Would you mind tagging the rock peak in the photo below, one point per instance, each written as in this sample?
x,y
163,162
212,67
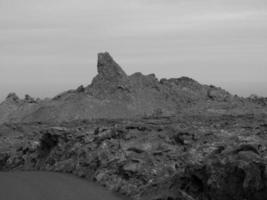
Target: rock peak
x,y
108,69
29,99
110,77
12,97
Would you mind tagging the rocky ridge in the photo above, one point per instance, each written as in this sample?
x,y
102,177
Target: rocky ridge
x,y
148,139
114,94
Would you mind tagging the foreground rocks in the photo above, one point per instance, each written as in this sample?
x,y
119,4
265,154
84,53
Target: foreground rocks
x,y
189,157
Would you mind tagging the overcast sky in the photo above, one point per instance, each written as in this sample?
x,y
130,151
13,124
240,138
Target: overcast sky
x,y
50,46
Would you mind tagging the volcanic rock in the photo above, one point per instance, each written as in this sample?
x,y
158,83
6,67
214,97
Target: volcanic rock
x,y
110,80
29,99
80,89
12,97
108,69
114,94
188,158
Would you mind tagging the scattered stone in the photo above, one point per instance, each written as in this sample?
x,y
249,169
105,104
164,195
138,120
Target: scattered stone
x,y
186,158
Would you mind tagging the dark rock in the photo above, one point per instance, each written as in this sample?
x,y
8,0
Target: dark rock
x,y
80,89
187,158
231,175
110,74
218,94
29,99
3,159
108,69
13,97
258,100
110,81
47,142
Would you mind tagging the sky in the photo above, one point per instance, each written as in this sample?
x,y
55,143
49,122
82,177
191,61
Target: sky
x,y
50,46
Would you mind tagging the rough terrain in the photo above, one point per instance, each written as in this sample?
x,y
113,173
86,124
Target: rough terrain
x,y
189,157
148,139
114,94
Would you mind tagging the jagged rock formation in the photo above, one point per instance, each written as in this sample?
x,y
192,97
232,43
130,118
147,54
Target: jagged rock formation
x,y
186,158
110,74
114,94
258,100
214,147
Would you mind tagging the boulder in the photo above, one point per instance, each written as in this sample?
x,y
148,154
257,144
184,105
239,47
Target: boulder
x,y
108,69
231,174
13,97
29,99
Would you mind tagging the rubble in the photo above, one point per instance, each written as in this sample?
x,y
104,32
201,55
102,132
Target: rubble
x,y
187,158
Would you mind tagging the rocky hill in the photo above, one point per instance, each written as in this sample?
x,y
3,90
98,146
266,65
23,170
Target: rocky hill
x,y
165,139
114,94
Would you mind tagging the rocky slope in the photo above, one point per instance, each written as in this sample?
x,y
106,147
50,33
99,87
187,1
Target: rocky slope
x,y
149,139
182,158
114,94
